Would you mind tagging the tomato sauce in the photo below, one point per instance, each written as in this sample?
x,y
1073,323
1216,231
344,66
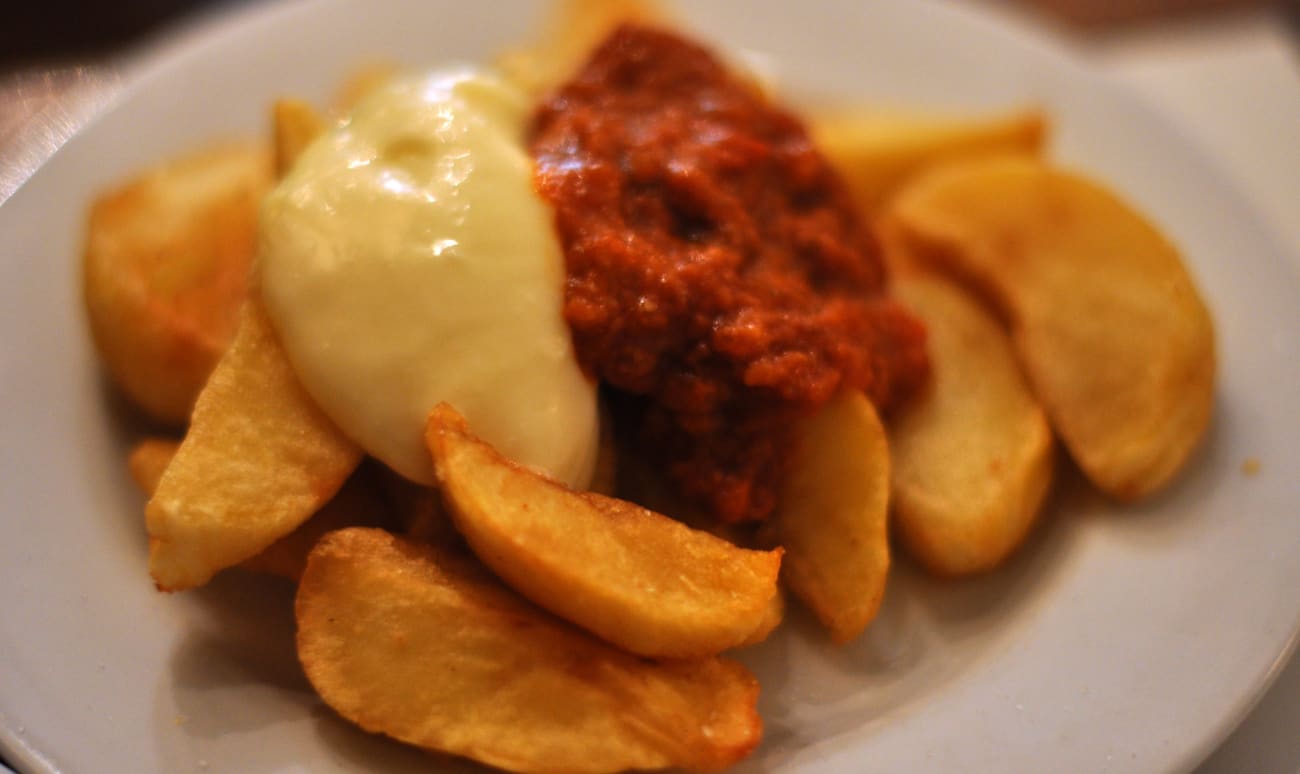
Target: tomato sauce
x,y
715,264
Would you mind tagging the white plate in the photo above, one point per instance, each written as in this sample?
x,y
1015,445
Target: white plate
x,y
1120,640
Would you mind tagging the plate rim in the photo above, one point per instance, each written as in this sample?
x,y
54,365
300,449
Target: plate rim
x,y
155,57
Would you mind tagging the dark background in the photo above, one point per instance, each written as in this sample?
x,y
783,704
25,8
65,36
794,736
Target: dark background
x,y
44,31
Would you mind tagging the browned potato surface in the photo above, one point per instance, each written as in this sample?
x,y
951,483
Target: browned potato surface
x,y
358,503
426,647
148,460
294,125
258,460
569,33
165,271
972,454
772,619
832,517
632,576
877,150
1107,322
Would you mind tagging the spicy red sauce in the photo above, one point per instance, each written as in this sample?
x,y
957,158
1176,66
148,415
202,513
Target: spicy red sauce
x,y
715,264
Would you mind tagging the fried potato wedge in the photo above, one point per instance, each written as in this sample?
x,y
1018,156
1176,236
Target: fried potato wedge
x,y
427,647
771,621
1106,320
571,30
832,515
148,460
876,151
634,577
357,504
972,455
295,124
165,270
258,460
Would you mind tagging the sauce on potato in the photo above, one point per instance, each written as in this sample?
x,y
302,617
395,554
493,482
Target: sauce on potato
x,y
716,264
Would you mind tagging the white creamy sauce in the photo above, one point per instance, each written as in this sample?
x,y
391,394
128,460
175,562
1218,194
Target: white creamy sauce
x,y
406,260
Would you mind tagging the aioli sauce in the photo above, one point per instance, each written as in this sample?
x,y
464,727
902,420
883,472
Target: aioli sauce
x,y
406,259
716,264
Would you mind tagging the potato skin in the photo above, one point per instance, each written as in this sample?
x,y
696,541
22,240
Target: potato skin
x,y
424,645
165,269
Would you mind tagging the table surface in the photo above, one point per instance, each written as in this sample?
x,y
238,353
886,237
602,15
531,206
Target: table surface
x,y
1232,79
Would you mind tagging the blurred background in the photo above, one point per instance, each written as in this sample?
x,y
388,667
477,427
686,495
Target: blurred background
x,y
45,45
67,30
1212,57
1228,71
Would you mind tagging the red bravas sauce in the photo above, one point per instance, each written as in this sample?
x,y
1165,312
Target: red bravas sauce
x,y
715,264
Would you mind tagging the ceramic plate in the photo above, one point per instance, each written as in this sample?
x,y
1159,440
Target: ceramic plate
x,y
1121,639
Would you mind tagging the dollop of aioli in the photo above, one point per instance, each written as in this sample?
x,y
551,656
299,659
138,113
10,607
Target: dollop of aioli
x,y
406,260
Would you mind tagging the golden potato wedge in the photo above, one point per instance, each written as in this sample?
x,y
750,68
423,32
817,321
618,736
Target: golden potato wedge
x,y
832,515
357,504
877,150
972,455
636,578
295,124
258,460
1106,320
165,270
148,460
426,647
570,32
771,620
422,517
